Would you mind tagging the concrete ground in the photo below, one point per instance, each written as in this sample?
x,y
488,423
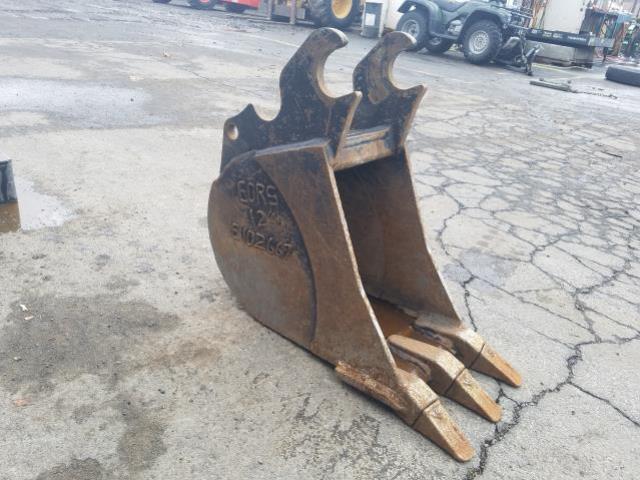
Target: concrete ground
x,y
122,352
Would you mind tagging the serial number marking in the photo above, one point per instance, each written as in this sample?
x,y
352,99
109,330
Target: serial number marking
x,y
260,241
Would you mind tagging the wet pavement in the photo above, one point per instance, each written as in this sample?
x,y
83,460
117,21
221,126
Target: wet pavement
x,y
123,354
33,210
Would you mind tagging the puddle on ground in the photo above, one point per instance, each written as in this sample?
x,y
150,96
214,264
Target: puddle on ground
x,y
33,210
9,217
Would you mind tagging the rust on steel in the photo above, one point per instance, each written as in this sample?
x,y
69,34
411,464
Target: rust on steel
x,y
315,227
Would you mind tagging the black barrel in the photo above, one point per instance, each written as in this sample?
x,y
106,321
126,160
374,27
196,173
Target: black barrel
x,y
7,185
9,210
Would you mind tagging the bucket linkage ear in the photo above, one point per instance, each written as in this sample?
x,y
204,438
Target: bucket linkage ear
x,y
384,103
307,111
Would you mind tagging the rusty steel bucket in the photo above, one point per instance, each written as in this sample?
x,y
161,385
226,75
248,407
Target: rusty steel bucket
x,y
315,228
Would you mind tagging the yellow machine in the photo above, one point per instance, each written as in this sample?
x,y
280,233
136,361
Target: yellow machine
x,y
325,13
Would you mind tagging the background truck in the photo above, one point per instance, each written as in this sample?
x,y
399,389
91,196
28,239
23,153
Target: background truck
x,y
324,13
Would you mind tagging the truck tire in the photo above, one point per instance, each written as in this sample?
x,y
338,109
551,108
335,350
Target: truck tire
x,y
234,7
202,4
626,75
334,13
482,41
414,23
438,45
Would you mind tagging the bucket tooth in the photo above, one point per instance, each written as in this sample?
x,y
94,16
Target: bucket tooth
x,y
470,348
491,363
467,392
424,412
436,424
442,367
446,375
315,227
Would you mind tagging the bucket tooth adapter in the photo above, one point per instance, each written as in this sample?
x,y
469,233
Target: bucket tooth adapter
x,y
315,227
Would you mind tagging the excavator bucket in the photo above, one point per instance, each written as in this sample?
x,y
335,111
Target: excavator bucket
x,y
315,228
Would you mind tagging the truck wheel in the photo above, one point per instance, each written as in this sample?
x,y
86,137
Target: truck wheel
x,y
234,7
482,41
202,4
334,13
628,76
415,24
438,45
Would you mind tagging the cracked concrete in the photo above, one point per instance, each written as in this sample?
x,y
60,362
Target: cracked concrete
x,y
132,360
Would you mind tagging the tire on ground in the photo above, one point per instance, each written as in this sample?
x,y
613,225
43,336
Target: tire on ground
x,y
438,45
415,24
626,75
494,41
334,13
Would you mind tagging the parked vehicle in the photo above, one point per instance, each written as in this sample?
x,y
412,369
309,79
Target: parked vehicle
x,y
324,13
485,30
332,13
236,6
631,42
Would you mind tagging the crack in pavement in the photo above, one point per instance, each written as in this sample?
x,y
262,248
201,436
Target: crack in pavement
x,y
503,429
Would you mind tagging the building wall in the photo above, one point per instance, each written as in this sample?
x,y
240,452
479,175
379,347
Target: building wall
x,y
628,5
563,15
617,5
